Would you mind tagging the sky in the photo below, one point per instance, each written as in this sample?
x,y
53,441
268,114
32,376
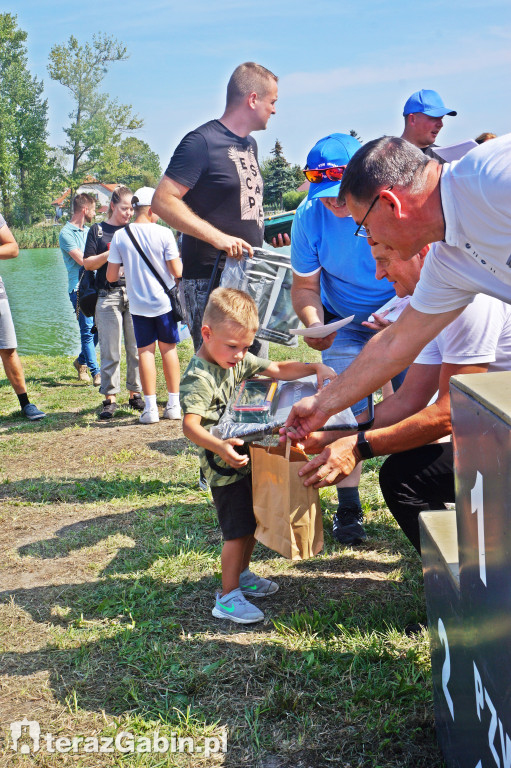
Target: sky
x,y
340,65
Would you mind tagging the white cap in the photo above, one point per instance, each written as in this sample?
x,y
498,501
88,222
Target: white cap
x,y
143,196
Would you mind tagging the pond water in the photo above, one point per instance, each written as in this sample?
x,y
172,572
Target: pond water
x,y
36,284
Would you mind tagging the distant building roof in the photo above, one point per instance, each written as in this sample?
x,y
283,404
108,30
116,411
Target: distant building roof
x,y
61,199
88,181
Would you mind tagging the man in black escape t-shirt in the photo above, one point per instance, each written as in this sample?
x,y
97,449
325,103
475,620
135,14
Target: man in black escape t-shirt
x,y
212,190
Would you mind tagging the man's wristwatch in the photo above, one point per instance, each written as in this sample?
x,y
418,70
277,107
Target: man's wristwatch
x,y
363,446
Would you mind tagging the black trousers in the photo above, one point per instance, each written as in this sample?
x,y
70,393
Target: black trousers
x,y
416,481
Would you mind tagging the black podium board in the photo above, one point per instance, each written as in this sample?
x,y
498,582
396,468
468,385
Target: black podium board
x,y
467,575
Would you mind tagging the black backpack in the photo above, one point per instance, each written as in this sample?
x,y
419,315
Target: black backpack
x,y
87,292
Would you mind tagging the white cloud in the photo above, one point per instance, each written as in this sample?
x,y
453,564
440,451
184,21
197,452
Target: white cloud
x,y
330,81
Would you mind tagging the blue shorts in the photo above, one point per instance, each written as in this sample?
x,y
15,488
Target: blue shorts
x,y
150,329
348,343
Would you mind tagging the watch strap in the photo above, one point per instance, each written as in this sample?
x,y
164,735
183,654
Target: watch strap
x,y
364,447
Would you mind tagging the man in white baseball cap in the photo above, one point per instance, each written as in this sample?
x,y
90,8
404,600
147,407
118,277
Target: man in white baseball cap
x,y
150,305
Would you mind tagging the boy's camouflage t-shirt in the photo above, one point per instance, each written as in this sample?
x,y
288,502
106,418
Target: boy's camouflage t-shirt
x,y
205,390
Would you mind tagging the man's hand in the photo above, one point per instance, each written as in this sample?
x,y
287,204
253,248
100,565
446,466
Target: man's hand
x,y
334,463
379,322
320,344
233,246
281,240
305,417
232,457
316,441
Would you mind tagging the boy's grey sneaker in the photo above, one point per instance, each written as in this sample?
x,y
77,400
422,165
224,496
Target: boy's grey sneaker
x,y
235,607
347,526
255,586
32,412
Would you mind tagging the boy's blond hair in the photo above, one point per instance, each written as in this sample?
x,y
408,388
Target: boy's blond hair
x,y
231,305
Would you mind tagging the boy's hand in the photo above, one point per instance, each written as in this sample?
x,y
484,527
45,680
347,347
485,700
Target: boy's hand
x,y
324,372
232,457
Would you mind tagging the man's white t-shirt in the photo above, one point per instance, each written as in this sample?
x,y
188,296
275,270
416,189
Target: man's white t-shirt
x,y
146,295
476,254
481,334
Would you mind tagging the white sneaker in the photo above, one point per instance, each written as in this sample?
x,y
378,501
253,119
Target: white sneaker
x,y
172,411
149,416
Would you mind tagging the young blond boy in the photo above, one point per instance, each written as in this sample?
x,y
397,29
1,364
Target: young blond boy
x,y
230,322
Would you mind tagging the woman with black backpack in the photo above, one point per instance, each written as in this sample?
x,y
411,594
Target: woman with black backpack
x,y
113,319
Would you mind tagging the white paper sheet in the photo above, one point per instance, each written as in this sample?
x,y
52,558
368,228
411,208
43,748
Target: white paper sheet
x,y
455,151
392,309
320,331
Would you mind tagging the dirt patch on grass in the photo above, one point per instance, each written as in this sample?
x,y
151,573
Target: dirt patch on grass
x,y
76,451
96,451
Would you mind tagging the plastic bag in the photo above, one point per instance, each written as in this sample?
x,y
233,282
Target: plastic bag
x,y
263,421
267,277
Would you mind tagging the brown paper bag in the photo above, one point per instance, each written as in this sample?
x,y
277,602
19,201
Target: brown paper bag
x,y
288,514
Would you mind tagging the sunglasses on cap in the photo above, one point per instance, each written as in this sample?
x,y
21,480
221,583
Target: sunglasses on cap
x,y
317,175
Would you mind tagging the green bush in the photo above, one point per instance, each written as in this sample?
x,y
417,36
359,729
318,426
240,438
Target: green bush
x,y
37,237
291,200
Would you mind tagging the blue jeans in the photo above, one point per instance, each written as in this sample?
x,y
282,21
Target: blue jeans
x,y
88,339
348,343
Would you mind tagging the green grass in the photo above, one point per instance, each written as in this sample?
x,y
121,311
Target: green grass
x,y
329,679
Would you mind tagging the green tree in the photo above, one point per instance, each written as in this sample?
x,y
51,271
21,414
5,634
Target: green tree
x,y
26,168
298,175
133,163
278,177
97,122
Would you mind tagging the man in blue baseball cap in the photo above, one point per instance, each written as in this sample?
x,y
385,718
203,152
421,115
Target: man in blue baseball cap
x,y
333,278
423,113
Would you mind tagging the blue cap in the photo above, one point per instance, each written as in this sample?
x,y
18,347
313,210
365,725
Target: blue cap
x,y
427,102
329,152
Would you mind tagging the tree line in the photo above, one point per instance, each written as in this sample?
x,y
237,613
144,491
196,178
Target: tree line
x,y
98,141
99,133
281,181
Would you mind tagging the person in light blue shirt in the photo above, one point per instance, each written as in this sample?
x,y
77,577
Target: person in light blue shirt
x,y
72,245
333,278
323,245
